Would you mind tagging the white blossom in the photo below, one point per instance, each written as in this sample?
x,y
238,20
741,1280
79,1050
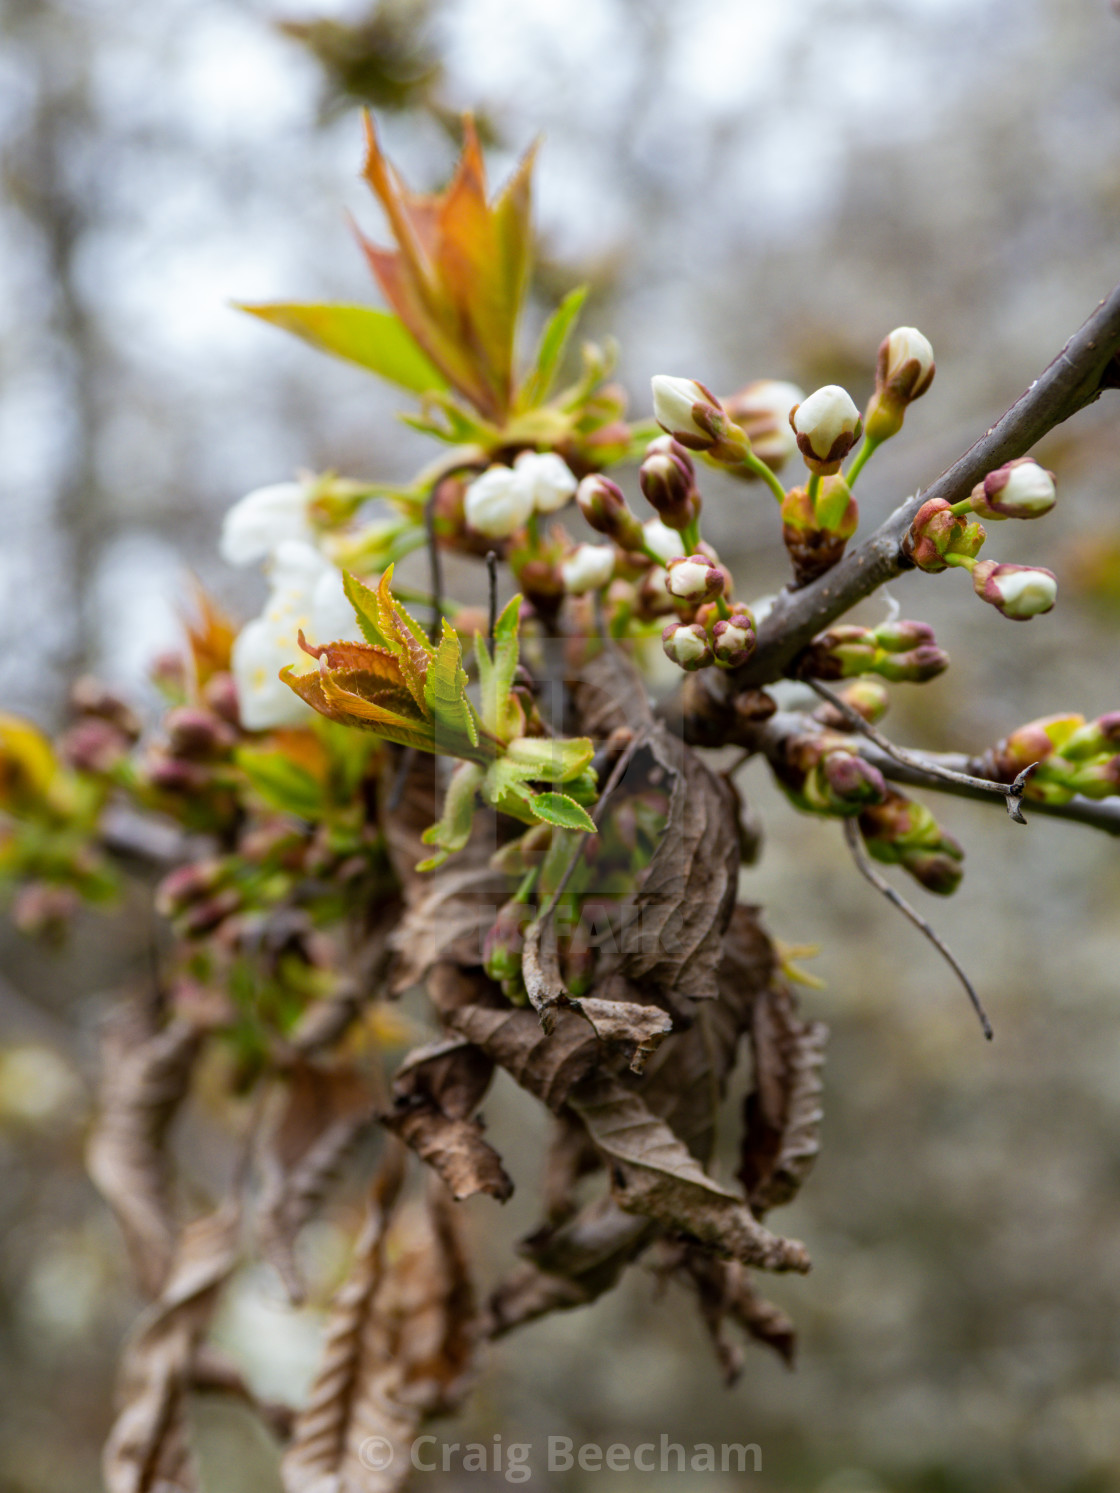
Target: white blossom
x,y
499,502
551,481
673,401
663,541
906,344
588,568
305,595
264,519
1019,489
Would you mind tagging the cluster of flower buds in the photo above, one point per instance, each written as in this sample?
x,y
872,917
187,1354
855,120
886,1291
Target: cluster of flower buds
x,y
903,372
503,499
1019,489
816,527
667,478
197,897
694,417
105,730
939,537
826,426
901,651
900,832
199,740
761,410
822,774
1072,756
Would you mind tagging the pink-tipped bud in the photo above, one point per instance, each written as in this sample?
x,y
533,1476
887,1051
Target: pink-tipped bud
x,y
851,780
604,506
220,695
1019,489
1018,591
937,533
693,578
198,735
94,745
88,696
734,640
687,644
692,415
667,481
827,426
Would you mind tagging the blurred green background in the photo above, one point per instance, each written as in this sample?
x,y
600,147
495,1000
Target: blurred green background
x,y
752,189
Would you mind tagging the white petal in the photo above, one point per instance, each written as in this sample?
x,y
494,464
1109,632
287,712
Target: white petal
x,y
262,520
550,479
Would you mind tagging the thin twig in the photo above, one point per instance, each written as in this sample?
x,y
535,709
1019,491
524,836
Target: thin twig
x,y
1011,792
492,580
867,870
435,564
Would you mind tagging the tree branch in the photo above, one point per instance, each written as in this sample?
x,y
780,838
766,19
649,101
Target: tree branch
x,y
922,771
1086,365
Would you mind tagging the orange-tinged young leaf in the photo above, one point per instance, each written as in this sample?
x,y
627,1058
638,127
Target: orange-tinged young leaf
x,y
27,763
374,340
458,275
210,634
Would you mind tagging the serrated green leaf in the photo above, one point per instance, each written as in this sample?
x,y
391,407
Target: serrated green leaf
x,y
550,350
365,604
444,691
564,812
375,340
496,670
282,783
554,759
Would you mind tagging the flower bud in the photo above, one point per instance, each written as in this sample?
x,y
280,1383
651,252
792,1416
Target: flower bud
x,y
588,568
219,694
173,775
687,645
761,409
186,885
498,502
88,696
42,909
899,831
1018,591
1096,779
734,640
693,578
852,781
1095,739
449,520
93,745
549,479
505,940
668,484
827,426
937,536
605,508
1019,489
692,415
1036,741
902,652
196,734
866,697
663,541
903,373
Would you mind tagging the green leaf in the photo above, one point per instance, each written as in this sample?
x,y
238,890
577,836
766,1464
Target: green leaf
x,y
444,695
564,812
373,339
282,783
452,831
554,759
365,604
550,350
496,671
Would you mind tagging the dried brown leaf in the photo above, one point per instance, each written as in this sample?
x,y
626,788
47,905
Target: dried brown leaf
x,y
325,1109
687,1078
570,1265
673,939
653,1173
435,1094
147,1450
399,1348
145,1075
782,1111
546,1064
725,1293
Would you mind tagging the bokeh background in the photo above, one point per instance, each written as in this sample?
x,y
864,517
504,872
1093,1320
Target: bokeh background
x,y
751,189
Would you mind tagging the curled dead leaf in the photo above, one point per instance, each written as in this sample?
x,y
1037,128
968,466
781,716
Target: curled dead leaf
x,y
782,1111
